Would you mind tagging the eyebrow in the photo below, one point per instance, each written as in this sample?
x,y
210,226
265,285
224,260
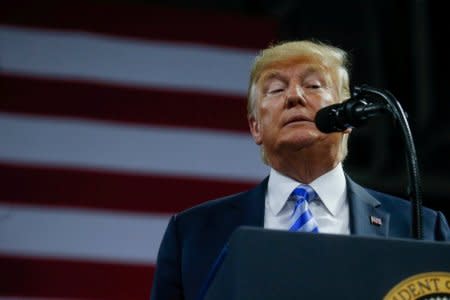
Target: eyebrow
x,y
274,74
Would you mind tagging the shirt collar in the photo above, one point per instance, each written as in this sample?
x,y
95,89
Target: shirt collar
x,y
331,188
279,188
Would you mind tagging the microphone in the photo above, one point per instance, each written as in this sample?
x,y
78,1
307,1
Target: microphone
x,y
365,103
353,112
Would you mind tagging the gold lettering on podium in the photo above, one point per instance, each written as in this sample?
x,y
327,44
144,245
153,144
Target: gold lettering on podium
x,y
422,286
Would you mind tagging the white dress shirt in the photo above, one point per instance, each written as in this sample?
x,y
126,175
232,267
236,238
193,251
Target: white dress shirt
x,y
331,210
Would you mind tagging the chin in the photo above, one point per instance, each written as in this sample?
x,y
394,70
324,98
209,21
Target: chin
x,y
299,141
304,135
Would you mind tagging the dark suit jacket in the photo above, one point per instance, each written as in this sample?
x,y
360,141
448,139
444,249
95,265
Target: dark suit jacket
x,y
195,237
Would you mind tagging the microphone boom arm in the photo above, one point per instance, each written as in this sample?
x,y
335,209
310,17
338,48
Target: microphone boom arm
x,y
414,183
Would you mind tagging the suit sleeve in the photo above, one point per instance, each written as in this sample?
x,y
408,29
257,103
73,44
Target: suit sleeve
x,y
442,231
167,279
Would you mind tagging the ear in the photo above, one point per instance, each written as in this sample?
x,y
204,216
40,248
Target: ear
x,y
255,129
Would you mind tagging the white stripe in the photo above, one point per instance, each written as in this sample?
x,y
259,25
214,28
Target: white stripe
x,y
309,226
80,234
77,55
145,149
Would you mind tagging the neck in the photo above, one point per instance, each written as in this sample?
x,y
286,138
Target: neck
x,y
306,164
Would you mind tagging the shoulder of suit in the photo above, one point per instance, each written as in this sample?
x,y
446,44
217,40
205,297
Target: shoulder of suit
x,y
391,202
395,201
225,202
383,197
213,204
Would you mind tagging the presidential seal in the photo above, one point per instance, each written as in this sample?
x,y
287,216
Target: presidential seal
x,y
423,286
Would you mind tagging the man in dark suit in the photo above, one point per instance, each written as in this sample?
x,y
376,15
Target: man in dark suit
x,y
289,83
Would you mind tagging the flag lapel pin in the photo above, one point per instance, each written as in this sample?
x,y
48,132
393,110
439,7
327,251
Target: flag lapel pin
x,y
376,221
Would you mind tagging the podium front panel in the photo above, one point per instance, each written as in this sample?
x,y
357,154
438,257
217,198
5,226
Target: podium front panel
x,y
270,264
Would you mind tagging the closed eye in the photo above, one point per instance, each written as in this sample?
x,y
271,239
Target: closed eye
x,y
314,86
275,91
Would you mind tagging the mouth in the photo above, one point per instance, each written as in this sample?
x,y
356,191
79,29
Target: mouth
x,y
297,119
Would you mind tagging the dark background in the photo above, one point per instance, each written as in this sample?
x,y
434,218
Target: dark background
x,y
394,45
399,46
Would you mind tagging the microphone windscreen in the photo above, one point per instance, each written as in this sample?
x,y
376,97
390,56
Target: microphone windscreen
x,y
326,119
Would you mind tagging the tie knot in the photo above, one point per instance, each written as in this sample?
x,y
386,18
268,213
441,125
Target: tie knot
x,y
303,192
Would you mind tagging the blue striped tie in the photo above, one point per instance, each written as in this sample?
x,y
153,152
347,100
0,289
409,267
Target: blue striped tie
x,y
302,218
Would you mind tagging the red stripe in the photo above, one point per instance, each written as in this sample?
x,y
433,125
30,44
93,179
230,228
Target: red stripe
x,y
124,104
39,277
143,21
115,191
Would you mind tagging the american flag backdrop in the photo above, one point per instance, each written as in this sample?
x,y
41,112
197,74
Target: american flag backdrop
x,y
112,118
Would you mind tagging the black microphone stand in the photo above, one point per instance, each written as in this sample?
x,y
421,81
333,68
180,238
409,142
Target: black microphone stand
x,y
414,185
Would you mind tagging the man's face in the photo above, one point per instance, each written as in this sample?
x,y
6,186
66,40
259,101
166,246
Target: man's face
x,y
288,99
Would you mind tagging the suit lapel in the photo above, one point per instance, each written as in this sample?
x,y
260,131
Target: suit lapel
x,y
366,215
251,206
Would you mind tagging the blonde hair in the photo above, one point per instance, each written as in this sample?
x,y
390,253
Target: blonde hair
x,y
334,60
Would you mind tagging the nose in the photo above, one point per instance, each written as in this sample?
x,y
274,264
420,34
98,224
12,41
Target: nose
x,y
295,96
